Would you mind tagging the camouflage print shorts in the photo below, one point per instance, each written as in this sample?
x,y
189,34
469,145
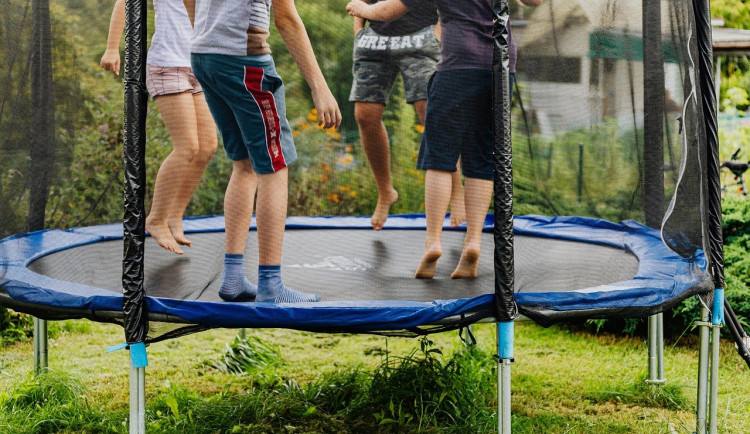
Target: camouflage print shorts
x,y
378,60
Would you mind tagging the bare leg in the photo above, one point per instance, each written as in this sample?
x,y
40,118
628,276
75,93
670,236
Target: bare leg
x,y
458,212
238,212
207,141
458,208
478,194
238,205
179,117
374,138
271,215
271,220
437,193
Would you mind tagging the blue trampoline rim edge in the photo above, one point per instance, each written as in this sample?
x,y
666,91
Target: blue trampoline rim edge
x,y
649,287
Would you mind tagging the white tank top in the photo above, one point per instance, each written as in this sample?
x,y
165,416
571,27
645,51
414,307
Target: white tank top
x,y
170,44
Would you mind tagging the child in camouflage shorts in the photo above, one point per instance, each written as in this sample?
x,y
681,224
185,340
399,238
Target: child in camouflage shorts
x,y
409,46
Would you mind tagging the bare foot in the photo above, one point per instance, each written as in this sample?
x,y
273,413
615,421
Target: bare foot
x,y
163,237
467,265
380,215
426,268
175,227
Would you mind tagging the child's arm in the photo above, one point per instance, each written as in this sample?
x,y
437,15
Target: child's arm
x,y
292,31
381,11
359,23
111,58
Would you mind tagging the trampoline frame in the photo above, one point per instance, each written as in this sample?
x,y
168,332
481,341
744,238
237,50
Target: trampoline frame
x,y
654,286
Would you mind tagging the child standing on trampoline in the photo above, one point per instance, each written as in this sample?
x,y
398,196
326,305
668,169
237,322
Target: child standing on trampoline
x,y
458,124
408,46
179,98
231,58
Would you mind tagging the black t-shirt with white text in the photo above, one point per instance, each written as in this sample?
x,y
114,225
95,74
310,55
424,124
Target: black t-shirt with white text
x,y
425,14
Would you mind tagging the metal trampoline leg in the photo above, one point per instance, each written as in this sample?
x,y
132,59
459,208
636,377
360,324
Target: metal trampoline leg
x,y
656,349
714,381
504,361
701,407
40,345
137,400
717,319
660,346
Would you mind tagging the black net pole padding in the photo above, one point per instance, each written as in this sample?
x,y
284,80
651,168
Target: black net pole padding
x,y
134,218
505,306
42,143
654,101
708,103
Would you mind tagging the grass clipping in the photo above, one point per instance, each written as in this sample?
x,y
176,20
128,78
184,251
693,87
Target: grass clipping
x,y
247,355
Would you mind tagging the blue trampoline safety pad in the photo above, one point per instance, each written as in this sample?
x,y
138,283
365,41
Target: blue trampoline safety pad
x,y
365,278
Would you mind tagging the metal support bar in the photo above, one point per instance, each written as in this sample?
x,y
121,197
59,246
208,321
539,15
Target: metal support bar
x,y
137,400
656,349
660,346
504,361
40,345
714,381
701,407
717,319
503,403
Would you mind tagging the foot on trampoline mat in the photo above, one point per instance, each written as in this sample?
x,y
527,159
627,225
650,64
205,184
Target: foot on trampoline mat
x,y
286,295
246,292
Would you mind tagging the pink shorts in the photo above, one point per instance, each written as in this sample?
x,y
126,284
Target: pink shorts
x,y
166,80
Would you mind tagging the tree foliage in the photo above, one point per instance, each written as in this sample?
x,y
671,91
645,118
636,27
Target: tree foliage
x,y
736,13
735,69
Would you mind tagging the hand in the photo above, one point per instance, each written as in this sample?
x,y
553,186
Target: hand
x,y
356,8
111,61
329,114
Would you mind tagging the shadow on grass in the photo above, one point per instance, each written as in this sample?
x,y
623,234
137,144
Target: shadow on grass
x,y
640,393
550,423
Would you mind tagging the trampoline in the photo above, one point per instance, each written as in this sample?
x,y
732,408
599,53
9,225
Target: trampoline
x,y
594,136
365,278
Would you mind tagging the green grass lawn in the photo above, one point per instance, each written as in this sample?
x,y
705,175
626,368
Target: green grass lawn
x,y
563,381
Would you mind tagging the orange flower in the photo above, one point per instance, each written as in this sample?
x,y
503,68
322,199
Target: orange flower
x,y
419,128
332,133
345,160
333,197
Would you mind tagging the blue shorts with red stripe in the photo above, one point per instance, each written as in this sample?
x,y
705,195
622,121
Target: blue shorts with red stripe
x,y
246,97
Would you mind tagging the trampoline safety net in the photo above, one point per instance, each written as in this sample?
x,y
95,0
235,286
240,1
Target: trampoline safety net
x,y
607,118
